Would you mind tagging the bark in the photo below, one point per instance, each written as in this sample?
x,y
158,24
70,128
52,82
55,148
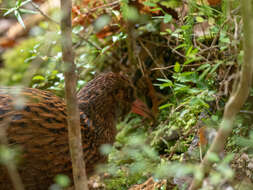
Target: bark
x,y
74,130
238,98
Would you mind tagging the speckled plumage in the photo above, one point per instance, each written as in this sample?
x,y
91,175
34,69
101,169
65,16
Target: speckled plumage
x,y
39,126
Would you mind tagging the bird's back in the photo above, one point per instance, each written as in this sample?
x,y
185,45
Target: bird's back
x,y
36,121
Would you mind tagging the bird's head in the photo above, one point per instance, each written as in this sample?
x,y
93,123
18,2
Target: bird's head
x,y
112,92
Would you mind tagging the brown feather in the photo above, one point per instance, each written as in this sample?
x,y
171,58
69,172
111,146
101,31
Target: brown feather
x,y
40,127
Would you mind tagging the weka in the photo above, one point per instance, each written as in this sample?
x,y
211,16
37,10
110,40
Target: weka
x,y
39,126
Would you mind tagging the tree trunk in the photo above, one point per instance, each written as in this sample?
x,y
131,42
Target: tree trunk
x,y
74,130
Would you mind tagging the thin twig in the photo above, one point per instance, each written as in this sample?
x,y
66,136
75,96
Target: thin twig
x,y
151,56
104,6
89,42
217,36
172,66
10,165
246,111
42,13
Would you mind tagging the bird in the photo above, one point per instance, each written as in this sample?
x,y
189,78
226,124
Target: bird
x,y
36,121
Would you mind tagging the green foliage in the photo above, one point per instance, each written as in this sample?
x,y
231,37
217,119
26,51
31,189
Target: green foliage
x,y
190,90
246,143
131,159
16,62
129,13
191,87
191,97
62,180
8,3
8,154
123,181
18,10
28,60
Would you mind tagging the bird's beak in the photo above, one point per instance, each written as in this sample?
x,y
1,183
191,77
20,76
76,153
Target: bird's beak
x,y
142,109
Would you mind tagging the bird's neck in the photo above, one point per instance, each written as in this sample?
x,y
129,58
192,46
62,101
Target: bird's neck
x,y
98,109
102,115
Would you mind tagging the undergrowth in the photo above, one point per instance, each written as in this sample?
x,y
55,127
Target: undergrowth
x,y
184,68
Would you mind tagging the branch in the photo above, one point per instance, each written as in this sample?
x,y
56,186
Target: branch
x,y
74,130
237,99
42,12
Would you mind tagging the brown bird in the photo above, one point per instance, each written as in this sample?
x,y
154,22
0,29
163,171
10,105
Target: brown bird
x,y
39,126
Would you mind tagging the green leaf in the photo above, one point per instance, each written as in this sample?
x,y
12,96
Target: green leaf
x,y
180,46
101,22
213,157
244,142
164,85
177,67
192,60
25,2
27,11
9,11
156,9
62,180
182,114
6,154
106,149
77,29
167,83
18,3
116,13
172,3
167,18
181,88
163,80
186,77
204,66
202,76
130,13
225,40
149,4
189,51
105,49
228,158
216,66
251,135
38,78
199,19
165,106
19,18
214,117
30,59
187,73
198,101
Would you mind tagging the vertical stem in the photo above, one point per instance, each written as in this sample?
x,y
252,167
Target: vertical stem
x,y
74,130
130,43
11,167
